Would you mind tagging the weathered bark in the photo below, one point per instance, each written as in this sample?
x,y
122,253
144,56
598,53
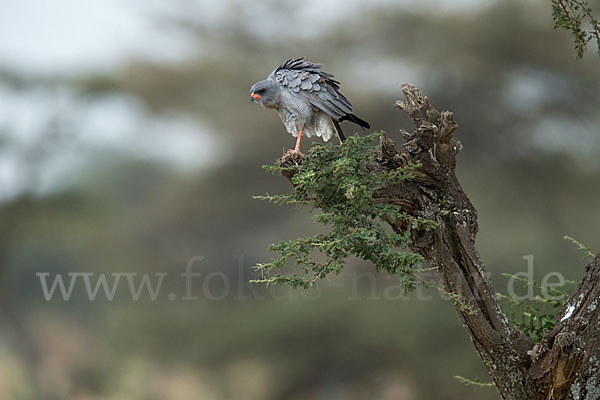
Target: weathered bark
x,y
573,343
566,363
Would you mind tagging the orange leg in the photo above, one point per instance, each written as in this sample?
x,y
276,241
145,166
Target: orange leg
x,y
297,148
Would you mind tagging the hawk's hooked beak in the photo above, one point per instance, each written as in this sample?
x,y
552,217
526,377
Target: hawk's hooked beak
x,y
254,96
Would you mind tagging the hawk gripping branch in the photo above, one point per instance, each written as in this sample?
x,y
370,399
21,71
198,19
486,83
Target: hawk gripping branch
x,y
565,364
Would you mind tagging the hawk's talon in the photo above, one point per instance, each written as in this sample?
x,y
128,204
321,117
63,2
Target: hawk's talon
x,y
292,152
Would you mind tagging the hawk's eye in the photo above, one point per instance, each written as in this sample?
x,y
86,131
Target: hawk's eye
x,y
260,91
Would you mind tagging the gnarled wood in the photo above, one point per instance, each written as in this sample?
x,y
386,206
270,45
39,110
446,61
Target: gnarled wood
x,y
566,363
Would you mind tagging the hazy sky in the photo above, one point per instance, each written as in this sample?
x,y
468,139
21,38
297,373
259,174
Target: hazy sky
x,y
68,35
71,35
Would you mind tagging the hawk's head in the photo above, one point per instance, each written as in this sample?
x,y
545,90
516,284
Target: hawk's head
x,y
266,93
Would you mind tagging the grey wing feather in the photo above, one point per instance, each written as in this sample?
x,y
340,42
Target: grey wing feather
x,y
315,86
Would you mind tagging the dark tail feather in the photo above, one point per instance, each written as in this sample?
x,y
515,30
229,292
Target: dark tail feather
x,y
338,128
353,118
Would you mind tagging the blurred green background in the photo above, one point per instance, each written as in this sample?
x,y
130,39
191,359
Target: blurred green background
x,y
128,145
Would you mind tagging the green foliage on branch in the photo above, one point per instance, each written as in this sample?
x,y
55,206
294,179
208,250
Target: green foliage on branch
x,y
587,253
340,182
476,382
577,16
539,313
